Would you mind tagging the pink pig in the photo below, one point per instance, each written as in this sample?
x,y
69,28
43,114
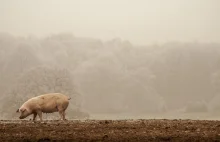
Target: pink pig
x,y
47,103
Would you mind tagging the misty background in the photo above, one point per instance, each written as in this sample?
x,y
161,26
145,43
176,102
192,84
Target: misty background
x,y
122,58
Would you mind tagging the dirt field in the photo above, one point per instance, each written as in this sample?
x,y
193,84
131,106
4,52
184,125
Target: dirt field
x,y
111,130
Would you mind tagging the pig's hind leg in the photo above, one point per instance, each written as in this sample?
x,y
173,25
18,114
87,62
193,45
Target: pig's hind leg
x,y
61,113
64,115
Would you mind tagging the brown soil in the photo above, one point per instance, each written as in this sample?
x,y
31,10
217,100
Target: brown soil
x,y
111,130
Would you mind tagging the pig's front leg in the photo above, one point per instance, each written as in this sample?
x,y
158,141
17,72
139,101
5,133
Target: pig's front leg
x,y
39,112
34,116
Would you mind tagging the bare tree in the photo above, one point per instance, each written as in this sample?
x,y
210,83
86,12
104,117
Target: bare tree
x,y
41,80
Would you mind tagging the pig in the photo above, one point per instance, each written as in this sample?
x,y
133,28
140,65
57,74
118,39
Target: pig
x,y
46,103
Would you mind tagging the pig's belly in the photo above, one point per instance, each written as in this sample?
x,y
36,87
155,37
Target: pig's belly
x,y
49,109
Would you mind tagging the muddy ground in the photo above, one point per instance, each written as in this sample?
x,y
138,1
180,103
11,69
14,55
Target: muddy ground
x,y
110,130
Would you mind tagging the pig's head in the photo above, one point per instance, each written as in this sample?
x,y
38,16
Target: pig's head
x,y
24,113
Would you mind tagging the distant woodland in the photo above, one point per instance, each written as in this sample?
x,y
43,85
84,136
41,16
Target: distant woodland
x,y
109,76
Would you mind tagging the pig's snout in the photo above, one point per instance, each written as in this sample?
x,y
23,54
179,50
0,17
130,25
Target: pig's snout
x,y
21,117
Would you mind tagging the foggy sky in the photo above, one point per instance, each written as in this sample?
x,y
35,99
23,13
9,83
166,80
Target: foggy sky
x,y
139,21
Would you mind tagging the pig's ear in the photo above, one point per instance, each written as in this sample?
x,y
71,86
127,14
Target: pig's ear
x,y
17,110
23,110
